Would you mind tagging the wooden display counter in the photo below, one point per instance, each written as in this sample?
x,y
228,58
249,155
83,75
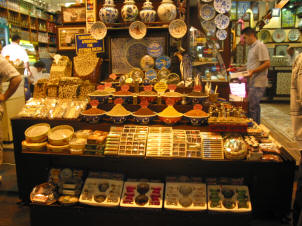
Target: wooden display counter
x,y
270,183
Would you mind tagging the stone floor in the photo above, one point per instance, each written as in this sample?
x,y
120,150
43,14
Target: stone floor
x,y
274,116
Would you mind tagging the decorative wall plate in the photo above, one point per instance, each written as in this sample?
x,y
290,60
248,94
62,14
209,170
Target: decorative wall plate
x,y
222,6
98,30
162,62
221,34
293,35
151,74
163,74
155,49
147,62
209,27
137,75
137,30
279,35
177,28
207,12
265,36
222,21
206,0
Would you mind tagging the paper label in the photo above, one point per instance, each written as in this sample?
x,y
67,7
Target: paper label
x,y
160,87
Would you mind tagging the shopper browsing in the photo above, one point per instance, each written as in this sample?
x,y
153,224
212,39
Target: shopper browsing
x,y
258,62
292,54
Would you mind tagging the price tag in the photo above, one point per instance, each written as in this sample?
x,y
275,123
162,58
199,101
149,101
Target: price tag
x,y
148,88
170,101
125,88
197,88
94,103
172,87
101,87
118,101
197,107
108,85
113,76
160,87
144,103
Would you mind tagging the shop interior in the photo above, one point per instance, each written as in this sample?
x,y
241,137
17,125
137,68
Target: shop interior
x,y
140,114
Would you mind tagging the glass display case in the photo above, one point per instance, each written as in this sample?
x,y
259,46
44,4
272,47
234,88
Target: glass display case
x,y
205,57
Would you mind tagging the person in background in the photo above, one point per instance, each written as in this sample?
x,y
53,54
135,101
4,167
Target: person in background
x,y
296,99
7,73
258,62
292,55
16,52
36,74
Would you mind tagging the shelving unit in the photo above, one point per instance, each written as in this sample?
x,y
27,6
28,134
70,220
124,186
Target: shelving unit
x,y
29,22
270,183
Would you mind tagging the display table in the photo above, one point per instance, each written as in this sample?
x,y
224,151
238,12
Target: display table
x,y
270,183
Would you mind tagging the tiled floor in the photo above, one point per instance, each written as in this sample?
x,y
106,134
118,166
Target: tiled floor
x,y
274,116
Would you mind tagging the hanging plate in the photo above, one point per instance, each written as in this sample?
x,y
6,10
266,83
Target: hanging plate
x,y
155,49
221,34
222,21
279,35
98,30
207,12
162,62
293,35
222,6
177,28
265,36
137,30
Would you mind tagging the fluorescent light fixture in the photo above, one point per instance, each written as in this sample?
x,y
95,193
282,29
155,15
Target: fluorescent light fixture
x,y
275,12
67,4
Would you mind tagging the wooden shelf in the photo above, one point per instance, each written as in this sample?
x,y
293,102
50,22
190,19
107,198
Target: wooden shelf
x,y
197,63
281,43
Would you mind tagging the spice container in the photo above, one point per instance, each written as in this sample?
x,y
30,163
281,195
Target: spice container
x,y
133,141
160,141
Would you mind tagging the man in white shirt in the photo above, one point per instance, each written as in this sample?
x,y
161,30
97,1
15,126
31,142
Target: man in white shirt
x,y
16,52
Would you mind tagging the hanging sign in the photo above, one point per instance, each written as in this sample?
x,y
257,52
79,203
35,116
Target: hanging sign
x,y
90,14
86,43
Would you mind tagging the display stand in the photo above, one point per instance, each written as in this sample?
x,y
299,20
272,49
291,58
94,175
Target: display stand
x,y
270,183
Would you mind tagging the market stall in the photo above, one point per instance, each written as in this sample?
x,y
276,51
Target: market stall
x,y
135,132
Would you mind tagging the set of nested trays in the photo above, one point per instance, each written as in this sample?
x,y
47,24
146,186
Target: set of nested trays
x,y
160,141
229,198
133,141
101,192
142,195
212,146
185,196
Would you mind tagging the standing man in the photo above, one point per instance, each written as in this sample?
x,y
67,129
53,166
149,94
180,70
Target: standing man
x,y
296,99
14,51
292,54
7,73
258,62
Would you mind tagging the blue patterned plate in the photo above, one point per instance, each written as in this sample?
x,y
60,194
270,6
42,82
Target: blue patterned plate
x,y
221,34
151,74
162,62
222,6
207,12
222,21
155,49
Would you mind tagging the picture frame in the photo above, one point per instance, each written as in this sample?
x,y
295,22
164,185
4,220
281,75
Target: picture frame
x,y
242,6
73,14
66,36
125,53
234,10
288,18
255,9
